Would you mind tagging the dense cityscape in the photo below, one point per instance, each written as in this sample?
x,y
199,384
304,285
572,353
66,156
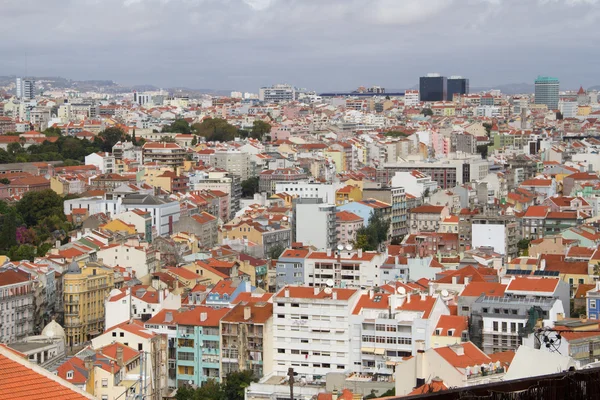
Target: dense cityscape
x,y
295,244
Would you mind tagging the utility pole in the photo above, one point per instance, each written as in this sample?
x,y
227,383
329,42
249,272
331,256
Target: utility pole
x,y
291,375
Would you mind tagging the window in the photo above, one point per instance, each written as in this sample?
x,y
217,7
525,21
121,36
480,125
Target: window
x,y
140,347
495,328
580,281
281,351
104,397
303,340
69,374
485,310
592,304
504,326
121,334
104,382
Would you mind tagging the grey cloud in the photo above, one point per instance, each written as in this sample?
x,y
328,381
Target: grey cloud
x,y
320,44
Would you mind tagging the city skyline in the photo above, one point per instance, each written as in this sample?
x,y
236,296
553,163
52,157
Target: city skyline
x,y
244,45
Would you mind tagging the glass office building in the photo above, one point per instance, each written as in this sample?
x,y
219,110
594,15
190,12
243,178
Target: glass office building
x,y
456,85
546,92
432,87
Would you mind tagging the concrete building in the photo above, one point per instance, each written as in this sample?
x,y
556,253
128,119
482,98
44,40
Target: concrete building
x,y
85,289
279,93
315,223
311,331
499,231
246,339
347,224
105,162
233,161
269,178
17,305
306,189
290,267
170,154
546,92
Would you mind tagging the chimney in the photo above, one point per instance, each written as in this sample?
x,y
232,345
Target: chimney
x,y
334,295
420,363
119,355
543,265
359,253
316,290
423,296
247,313
371,293
396,260
408,298
168,316
395,301
467,280
328,252
286,293
458,349
89,363
431,289
454,280
203,316
161,296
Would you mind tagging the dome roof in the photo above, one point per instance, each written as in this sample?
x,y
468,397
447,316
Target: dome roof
x,y
53,330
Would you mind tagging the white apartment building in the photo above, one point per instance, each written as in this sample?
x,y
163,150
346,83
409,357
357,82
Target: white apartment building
x,y
385,328
311,331
414,182
311,190
315,223
233,161
16,305
105,162
411,98
346,268
138,302
140,260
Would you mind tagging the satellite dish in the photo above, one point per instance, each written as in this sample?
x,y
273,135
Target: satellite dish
x,y
445,293
329,283
340,247
328,290
401,290
348,247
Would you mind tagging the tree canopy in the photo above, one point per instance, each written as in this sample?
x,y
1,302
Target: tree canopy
x,y
109,137
396,134
215,130
178,126
427,112
260,129
249,187
232,388
376,232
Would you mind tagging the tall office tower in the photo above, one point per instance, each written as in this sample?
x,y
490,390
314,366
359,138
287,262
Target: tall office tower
x,y
19,88
25,89
457,85
433,87
546,92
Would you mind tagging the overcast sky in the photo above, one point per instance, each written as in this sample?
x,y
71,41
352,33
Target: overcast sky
x,y
317,44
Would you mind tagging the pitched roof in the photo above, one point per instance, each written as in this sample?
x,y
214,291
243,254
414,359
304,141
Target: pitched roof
x,y
427,209
22,380
379,301
455,323
259,313
532,284
476,289
472,355
417,302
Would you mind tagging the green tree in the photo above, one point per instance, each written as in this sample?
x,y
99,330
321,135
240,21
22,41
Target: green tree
x,y
9,220
427,112
211,390
243,133
249,187
178,126
216,130
5,181
395,134
53,132
194,140
260,129
22,252
523,245
374,234
109,137
276,251
236,383
35,206
14,148
483,150
167,139
488,128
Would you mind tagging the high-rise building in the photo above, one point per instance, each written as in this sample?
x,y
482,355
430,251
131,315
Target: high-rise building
x,y
25,89
433,87
456,85
277,93
546,91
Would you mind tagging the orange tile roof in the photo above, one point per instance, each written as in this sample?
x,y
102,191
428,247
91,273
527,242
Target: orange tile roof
x,y
308,293
427,209
434,386
22,380
259,313
194,316
467,272
249,297
347,216
472,356
531,284
295,253
416,304
476,289
456,322
380,301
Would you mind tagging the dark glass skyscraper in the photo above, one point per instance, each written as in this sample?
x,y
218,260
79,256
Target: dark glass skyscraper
x,y
432,88
457,85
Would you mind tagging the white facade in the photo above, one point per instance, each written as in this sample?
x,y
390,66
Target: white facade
x,y
105,162
122,305
136,259
352,269
311,190
415,184
316,225
411,98
311,331
489,235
